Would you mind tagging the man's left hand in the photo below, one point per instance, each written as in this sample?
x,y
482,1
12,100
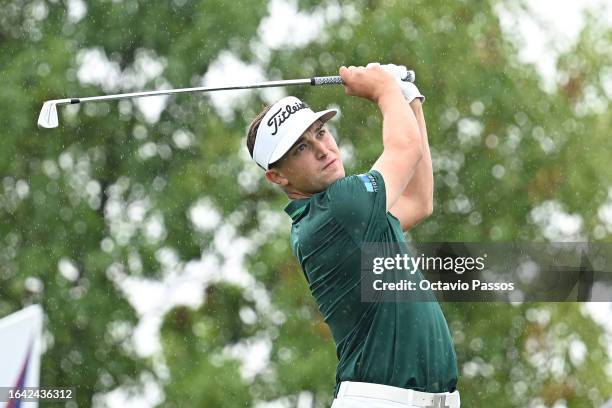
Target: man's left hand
x,y
409,89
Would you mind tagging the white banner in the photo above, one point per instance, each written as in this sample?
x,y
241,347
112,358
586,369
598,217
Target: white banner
x,y
20,350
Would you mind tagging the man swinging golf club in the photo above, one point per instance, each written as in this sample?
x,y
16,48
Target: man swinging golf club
x,y
391,354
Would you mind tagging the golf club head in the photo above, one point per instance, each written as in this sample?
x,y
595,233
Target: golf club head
x,y
48,115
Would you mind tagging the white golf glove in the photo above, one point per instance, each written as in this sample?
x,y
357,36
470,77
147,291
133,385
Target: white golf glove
x,y
409,89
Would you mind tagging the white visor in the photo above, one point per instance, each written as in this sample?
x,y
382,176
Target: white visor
x,y
282,126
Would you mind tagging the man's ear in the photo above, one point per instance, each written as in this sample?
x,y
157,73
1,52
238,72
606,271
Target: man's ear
x,y
276,177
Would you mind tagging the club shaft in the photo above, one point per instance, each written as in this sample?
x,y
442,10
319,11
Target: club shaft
x,y
267,84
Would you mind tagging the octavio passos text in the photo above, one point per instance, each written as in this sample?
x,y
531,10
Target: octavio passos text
x,y
412,264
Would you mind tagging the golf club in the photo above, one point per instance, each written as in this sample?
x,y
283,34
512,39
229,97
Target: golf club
x,y
48,114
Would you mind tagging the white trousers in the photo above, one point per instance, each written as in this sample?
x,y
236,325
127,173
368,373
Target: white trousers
x,y
368,395
359,402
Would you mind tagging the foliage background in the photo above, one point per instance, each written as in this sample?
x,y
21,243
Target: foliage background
x,y
117,198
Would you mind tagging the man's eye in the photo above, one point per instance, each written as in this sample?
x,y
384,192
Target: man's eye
x,y
321,132
300,148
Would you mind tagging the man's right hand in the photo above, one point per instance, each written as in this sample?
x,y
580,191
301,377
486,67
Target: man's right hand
x,y
371,82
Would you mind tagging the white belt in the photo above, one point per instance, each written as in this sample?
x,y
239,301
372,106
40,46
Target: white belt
x,y
401,395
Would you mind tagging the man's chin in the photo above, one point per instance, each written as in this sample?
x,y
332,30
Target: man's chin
x,y
327,181
340,173
333,178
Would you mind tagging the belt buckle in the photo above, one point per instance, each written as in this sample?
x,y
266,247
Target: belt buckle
x,y
439,401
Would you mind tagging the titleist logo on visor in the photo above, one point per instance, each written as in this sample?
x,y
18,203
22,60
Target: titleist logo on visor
x,y
283,113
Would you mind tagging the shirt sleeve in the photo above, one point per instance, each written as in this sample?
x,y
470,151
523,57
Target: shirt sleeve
x,y
358,202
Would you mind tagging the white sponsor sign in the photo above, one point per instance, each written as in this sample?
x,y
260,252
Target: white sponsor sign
x,y
20,350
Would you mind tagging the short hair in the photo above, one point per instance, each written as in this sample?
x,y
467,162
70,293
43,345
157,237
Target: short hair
x,y
252,132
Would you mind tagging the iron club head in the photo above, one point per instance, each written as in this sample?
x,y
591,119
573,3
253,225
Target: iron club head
x,y
48,113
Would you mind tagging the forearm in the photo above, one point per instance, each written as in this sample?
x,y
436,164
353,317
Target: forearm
x,y
400,126
421,184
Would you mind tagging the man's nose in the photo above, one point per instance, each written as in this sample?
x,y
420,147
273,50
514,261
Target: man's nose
x,y
321,149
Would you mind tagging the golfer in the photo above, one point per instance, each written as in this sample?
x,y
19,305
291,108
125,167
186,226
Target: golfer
x,y
391,354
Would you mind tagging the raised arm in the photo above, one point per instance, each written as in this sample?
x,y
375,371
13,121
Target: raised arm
x,y
416,201
400,135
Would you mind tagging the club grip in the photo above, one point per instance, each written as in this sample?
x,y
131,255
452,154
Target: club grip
x,y
332,80
326,80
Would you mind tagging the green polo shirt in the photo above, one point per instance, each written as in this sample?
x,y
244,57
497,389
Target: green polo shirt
x,y
402,344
